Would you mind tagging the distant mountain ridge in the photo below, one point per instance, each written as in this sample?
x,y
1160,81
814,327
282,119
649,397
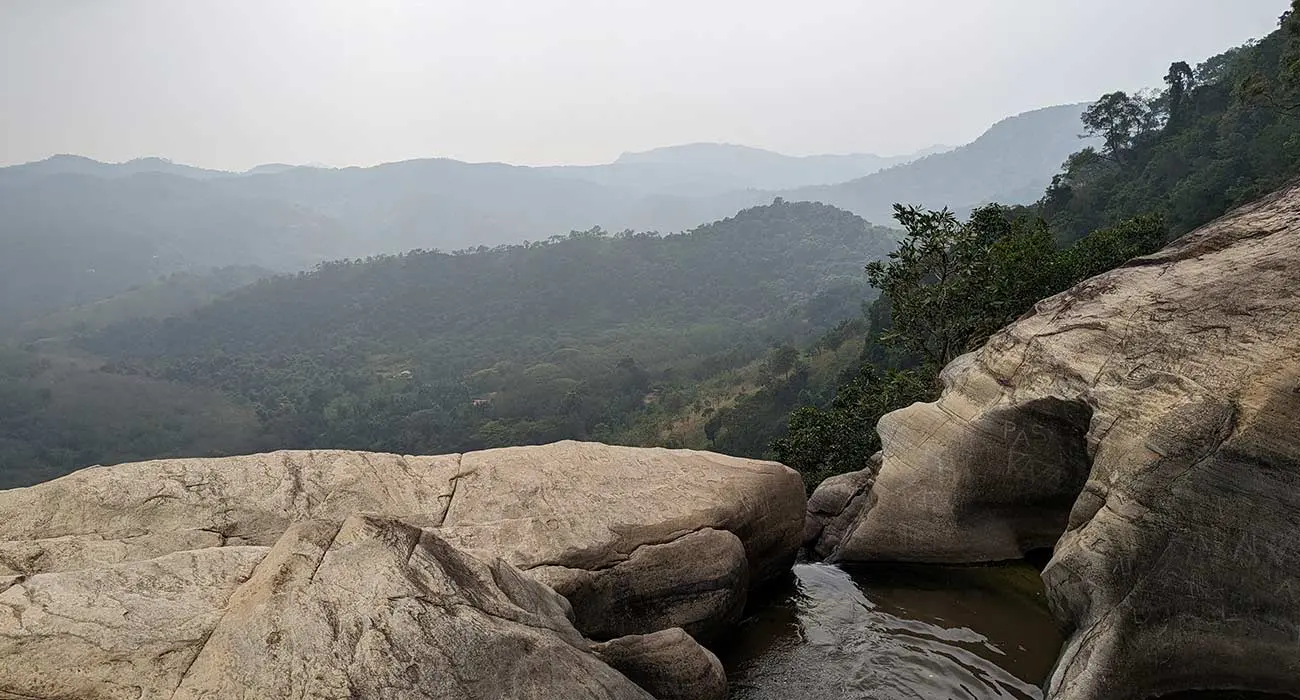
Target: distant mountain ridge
x,y
713,158
745,167
1012,163
76,230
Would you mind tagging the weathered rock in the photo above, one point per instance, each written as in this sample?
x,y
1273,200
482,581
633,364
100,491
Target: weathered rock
x,y
376,608
669,664
640,540
648,590
121,631
1166,396
585,507
370,608
833,506
137,511
590,506
1027,463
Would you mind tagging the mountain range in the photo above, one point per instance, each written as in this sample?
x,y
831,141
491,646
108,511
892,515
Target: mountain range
x,y
76,230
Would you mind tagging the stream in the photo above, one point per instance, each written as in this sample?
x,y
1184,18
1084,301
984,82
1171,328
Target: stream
x,y
895,633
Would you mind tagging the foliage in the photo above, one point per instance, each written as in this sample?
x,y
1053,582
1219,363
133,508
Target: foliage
x,y
59,413
1216,136
950,283
590,335
1118,119
171,295
842,437
947,288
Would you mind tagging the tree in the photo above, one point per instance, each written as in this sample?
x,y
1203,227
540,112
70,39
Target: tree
x,y
948,288
1277,91
1179,82
923,281
1117,118
950,284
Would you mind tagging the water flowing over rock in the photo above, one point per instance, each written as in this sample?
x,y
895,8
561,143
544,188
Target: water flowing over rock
x,y
1144,423
337,574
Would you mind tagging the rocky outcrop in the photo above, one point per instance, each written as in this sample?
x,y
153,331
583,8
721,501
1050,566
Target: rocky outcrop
x,y
369,608
1144,424
345,574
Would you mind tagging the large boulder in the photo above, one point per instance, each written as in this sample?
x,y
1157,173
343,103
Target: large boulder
x,y
637,541
367,608
1143,424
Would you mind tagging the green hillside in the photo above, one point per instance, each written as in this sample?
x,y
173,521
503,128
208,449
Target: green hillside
x,y
578,336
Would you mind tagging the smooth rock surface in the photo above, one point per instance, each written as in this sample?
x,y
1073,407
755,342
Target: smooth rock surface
x,y
375,558
369,608
668,663
1145,423
648,590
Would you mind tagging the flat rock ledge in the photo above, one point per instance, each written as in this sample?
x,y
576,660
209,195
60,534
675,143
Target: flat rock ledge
x,y
572,570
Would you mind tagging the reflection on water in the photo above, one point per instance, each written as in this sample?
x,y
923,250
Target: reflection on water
x,y
895,633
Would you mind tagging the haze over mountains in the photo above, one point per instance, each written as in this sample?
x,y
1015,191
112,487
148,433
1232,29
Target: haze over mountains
x,y
77,231
715,168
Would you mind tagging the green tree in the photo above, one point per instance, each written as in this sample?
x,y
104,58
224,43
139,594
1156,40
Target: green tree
x,y
1117,118
950,284
1179,82
949,287
842,437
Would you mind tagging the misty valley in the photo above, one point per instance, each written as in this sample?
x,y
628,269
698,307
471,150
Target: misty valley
x,y
1006,419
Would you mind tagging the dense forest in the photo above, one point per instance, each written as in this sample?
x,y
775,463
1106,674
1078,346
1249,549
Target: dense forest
x,y
1215,136
576,336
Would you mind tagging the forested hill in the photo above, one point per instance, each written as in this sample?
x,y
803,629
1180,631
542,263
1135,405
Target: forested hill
x,y
75,231
511,301
717,168
1216,135
564,338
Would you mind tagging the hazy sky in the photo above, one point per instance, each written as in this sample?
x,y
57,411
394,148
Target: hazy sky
x,y
234,83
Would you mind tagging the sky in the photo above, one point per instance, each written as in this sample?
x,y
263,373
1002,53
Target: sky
x,y
234,83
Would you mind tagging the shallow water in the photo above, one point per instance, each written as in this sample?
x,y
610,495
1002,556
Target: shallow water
x,y
895,633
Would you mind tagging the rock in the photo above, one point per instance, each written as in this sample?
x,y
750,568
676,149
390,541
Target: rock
x,y
141,510
648,590
120,631
1143,423
834,504
376,608
639,540
580,506
369,608
590,506
1028,463
669,664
